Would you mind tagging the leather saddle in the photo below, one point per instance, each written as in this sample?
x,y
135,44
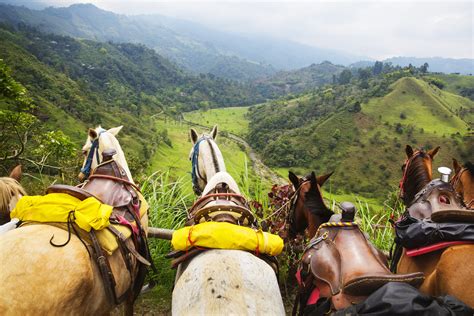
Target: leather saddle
x,y
341,257
221,205
440,202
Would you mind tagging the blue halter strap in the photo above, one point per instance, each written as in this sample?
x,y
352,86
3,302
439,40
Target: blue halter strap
x,y
86,170
195,167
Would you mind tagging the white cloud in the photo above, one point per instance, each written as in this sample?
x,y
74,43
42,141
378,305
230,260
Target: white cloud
x,y
371,28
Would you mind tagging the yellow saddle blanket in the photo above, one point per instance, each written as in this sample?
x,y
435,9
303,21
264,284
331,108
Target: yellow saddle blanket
x,y
221,235
55,209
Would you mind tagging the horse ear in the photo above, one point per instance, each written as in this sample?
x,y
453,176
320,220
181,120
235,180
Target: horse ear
x,y
433,152
214,132
294,179
457,167
115,130
322,179
92,133
194,135
409,151
16,173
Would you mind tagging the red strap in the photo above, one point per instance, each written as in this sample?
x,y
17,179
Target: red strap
x,y
423,250
314,297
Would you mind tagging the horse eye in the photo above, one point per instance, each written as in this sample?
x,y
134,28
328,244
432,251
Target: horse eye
x,y
403,167
84,152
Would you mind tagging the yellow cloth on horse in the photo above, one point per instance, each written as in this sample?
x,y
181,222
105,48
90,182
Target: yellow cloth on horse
x,y
55,207
221,235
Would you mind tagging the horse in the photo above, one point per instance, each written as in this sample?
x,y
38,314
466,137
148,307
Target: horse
x,y
64,279
445,270
206,159
463,181
221,281
10,192
339,263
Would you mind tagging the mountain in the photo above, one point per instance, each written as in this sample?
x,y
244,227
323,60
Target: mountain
x,y
75,84
463,66
360,130
303,79
189,44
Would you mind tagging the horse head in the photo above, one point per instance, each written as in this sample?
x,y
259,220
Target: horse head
x,y
206,159
10,192
463,181
308,209
417,172
100,140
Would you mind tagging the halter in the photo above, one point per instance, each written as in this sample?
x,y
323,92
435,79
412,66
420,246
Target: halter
x,y
196,175
405,174
456,180
86,170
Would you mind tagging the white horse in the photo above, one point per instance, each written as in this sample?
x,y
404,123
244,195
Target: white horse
x,y
206,158
224,282
39,279
10,192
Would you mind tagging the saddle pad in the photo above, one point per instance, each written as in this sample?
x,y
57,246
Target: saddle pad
x,y
221,235
61,207
442,245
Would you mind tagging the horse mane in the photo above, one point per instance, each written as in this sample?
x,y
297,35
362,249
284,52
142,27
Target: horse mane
x,y
315,203
221,177
470,167
416,177
9,187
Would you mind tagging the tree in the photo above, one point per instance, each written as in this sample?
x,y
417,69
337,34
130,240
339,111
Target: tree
x,y
378,67
424,68
345,76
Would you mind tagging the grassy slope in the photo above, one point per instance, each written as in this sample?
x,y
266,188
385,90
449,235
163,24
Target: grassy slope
x,y
176,158
422,104
229,119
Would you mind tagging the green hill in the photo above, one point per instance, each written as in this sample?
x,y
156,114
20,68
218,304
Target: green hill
x,y
76,84
327,130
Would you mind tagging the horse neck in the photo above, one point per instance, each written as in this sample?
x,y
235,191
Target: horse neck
x,y
417,178
211,159
112,143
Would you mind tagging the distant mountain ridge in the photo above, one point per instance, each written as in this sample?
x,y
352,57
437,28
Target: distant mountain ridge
x,y
189,44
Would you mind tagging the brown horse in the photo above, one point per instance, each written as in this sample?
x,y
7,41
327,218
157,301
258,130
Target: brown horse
x,y
446,271
308,212
463,182
339,262
37,278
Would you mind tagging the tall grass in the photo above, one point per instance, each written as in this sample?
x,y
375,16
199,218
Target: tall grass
x,y
168,200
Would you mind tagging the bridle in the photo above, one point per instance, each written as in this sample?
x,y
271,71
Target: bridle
x,y
195,174
455,182
94,150
405,173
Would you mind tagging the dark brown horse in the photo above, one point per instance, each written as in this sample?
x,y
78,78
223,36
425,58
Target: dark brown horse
x,y
463,182
339,264
308,212
446,271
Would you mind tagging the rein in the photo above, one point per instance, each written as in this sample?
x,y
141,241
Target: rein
x,y
196,175
86,170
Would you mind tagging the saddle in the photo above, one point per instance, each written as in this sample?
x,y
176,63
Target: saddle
x,y
110,185
221,204
440,202
341,257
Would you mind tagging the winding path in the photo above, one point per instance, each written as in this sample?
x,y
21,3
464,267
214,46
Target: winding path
x,y
261,170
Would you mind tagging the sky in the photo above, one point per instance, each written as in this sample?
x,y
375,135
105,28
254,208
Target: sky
x,y
377,29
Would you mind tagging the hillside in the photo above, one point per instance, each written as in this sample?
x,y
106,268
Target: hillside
x,y
362,144
76,84
303,79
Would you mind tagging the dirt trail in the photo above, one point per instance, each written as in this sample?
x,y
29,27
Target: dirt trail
x,y
259,167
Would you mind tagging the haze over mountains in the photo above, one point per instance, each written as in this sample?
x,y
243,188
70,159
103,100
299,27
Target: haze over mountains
x,y
198,48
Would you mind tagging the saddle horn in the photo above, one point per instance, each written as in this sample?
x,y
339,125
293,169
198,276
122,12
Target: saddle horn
x,y
348,211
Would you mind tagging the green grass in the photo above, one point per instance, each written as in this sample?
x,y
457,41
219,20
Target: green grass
x,y
423,106
232,119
